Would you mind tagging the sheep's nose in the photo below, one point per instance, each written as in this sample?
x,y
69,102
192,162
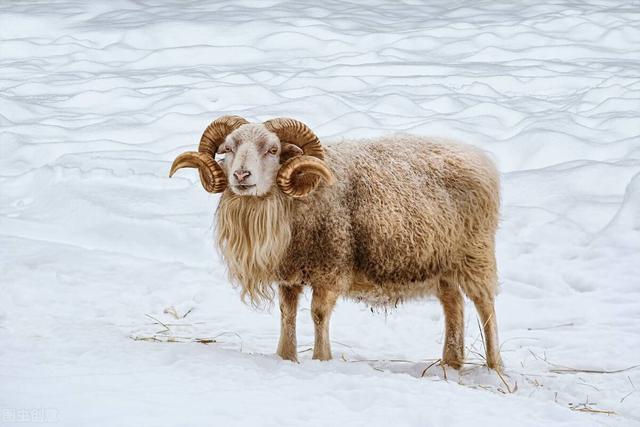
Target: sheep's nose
x,y
241,174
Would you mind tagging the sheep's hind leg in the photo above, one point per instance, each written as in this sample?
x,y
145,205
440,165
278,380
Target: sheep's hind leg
x,y
452,302
322,304
287,346
485,307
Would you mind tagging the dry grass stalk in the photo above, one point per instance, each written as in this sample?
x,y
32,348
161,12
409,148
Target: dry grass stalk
x,y
506,384
167,335
564,325
594,411
560,369
480,328
165,338
167,328
631,392
586,407
565,370
430,365
173,312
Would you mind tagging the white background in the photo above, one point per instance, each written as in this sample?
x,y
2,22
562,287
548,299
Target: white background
x,y
96,99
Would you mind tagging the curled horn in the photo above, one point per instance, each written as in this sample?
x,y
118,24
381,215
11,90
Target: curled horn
x,y
300,175
212,177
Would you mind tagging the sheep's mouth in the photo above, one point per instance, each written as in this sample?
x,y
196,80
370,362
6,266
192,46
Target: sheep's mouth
x,y
243,187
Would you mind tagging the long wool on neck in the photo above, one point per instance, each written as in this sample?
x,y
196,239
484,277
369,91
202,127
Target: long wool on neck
x,y
253,236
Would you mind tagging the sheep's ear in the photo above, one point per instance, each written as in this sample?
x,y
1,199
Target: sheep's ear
x,y
289,151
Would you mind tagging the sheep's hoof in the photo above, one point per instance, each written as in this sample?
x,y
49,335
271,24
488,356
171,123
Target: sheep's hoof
x,y
496,364
453,356
323,357
288,356
455,364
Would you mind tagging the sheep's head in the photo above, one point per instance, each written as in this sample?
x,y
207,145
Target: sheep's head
x,y
282,153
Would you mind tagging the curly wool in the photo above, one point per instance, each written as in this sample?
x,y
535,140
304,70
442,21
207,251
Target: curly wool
x,y
406,212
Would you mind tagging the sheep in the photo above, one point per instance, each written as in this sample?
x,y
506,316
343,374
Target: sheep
x,y
381,221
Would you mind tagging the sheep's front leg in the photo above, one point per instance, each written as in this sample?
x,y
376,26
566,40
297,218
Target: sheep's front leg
x,y
322,304
287,346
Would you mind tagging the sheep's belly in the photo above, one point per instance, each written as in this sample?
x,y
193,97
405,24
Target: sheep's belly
x,y
389,294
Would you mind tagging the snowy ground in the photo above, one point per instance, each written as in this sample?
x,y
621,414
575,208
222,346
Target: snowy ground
x,y
96,242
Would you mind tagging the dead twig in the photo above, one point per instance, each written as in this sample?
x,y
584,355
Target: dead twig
x,y
586,407
430,365
584,383
484,346
560,369
172,311
593,410
564,325
631,392
167,329
165,338
506,384
380,360
565,370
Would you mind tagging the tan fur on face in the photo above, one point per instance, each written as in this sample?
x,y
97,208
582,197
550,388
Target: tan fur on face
x,y
253,235
246,149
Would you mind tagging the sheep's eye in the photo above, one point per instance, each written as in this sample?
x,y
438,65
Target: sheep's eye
x,y
273,150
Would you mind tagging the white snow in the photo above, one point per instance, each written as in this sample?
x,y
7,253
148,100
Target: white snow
x,y
96,242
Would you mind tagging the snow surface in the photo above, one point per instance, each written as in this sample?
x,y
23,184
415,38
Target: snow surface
x,y
96,241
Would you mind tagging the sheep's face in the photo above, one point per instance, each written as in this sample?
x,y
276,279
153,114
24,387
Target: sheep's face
x,y
252,158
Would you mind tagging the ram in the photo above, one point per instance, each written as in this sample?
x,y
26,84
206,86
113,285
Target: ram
x,y
381,221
